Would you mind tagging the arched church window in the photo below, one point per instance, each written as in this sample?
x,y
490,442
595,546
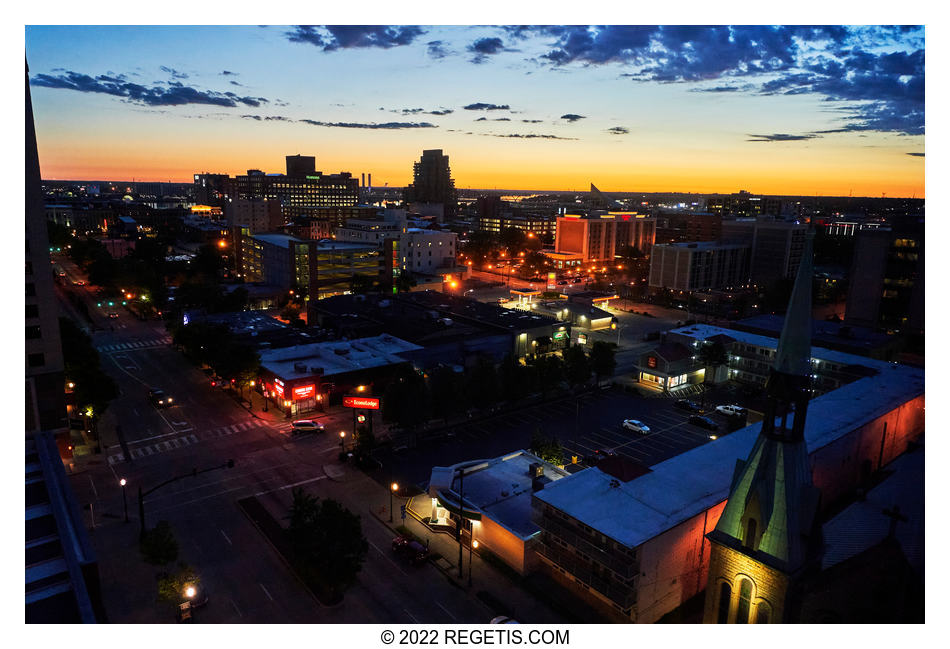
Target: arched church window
x,y
750,529
762,613
725,594
745,602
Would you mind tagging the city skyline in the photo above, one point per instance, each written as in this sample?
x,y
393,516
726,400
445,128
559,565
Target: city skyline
x,y
773,110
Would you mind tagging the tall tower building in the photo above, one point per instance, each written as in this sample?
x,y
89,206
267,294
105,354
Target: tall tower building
x,y
766,536
432,183
299,166
45,400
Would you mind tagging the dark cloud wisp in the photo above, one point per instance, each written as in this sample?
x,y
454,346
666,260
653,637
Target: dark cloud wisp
x,y
618,130
385,126
483,106
571,117
170,94
781,137
335,37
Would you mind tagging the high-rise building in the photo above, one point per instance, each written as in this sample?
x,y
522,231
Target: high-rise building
x,y
301,165
45,381
432,183
776,247
211,189
698,266
887,280
258,214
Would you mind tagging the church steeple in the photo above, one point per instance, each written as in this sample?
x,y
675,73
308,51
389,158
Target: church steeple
x,y
761,543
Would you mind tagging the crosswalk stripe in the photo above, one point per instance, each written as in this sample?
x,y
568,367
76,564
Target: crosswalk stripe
x,y
136,453
192,438
114,458
232,428
173,443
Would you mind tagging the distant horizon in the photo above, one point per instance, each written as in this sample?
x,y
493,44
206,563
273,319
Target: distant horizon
x,y
515,189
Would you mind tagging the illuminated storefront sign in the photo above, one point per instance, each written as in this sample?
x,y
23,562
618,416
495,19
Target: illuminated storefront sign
x,y
651,361
552,281
305,391
371,403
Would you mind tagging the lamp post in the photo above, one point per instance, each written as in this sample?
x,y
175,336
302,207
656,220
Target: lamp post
x,y
392,489
461,516
342,437
471,546
125,502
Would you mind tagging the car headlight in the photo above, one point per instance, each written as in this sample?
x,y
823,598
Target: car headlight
x,y
169,399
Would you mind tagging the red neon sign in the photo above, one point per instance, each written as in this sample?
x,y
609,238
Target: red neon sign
x,y
372,403
304,391
279,388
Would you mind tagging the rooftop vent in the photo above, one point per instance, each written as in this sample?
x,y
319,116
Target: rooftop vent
x,y
300,367
341,351
317,370
536,470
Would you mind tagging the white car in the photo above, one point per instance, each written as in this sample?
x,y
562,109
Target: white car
x,y
636,426
306,426
731,411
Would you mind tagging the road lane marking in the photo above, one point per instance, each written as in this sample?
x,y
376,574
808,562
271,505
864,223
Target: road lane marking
x,y
446,611
236,608
411,616
226,537
265,591
295,484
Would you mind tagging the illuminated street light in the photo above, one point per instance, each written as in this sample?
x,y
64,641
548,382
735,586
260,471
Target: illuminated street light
x,y
190,591
342,437
392,489
125,503
471,546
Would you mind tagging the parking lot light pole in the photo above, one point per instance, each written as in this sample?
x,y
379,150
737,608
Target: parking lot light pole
x,y
473,544
125,502
392,489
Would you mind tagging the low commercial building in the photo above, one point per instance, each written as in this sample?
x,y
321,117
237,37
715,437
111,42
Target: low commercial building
x,y
698,266
491,500
838,336
302,378
256,214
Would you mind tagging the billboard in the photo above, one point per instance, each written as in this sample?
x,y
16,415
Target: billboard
x,y
371,403
552,281
305,391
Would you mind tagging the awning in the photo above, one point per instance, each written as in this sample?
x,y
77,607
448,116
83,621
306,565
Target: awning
x,y
465,513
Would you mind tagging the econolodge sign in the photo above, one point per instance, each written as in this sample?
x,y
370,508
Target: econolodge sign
x,y
371,403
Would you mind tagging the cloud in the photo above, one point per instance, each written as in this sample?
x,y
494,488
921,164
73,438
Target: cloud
x,y
335,37
878,69
173,72
418,111
484,106
228,73
268,118
386,125
482,119
441,111
618,130
530,136
571,117
532,121
175,94
781,137
918,155
235,83
486,47
437,50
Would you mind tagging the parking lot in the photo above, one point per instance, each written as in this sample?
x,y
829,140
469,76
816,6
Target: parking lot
x,y
582,425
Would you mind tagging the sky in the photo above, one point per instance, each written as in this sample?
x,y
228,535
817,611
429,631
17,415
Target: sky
x,y
833,110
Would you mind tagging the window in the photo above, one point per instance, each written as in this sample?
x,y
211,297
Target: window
x,y
725,594
32,311
30,289
750,534
35,360
745,600
33,331
762,613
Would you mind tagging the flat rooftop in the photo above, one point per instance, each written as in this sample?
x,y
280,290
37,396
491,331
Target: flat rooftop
x,y
684,486
500,488
337,357
836,333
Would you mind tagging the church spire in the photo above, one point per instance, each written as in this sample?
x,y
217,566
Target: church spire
x,y
794,345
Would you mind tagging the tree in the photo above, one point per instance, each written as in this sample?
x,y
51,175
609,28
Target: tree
x,y
158,545
514,379
406,401
603,360
713,354
93,388
326,542
548,449
549,370
576,365
405,281
448,395
172,585
513,239
483,383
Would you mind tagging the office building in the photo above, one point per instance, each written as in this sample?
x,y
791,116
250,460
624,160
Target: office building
x,y
211,189
776,247
432,184
45,381
744,204
428,251
601,236
299,166
679,227
316,268
256,214
887,280
698,266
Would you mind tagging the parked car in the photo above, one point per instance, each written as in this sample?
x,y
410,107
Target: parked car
x,y
302,426
576,281
597,456
636,426
562,282
159,399
503,619
113,315
686,404
412,551
731,411
703,422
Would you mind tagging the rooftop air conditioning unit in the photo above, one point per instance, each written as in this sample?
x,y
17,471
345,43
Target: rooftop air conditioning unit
x,y
300,367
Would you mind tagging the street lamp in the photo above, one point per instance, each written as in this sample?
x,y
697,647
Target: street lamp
x,y
392,489
342,437
471,546
125,502
190,591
